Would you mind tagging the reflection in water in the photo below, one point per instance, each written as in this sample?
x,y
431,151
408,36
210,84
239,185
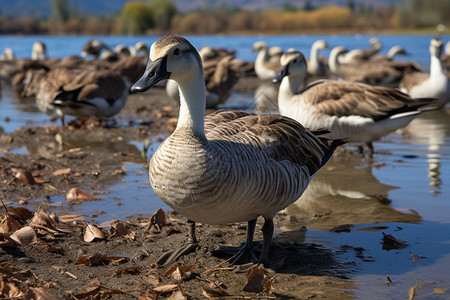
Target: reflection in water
x,y
266,98
431,128
343,193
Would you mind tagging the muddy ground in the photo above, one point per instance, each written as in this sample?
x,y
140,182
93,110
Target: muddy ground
x,y
60,263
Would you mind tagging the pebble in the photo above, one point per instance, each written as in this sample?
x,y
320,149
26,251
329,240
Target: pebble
x,y
26,260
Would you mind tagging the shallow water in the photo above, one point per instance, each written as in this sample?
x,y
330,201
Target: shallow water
x,y
404,191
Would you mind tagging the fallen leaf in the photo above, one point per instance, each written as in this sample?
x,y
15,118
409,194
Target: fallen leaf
x,y
342,228
92,232
70,218
25,236
42,219
9,224
6,241
119,228
128,270
213,290
21,213
24,177
157,221
415,257
62,172
9,290
390,242
39,293
166,288
177,295
258,279
98,259
78,194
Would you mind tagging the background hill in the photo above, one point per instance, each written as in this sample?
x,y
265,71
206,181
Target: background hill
x,y
42,8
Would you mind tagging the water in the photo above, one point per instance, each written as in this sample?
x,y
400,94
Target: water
x,y
404,191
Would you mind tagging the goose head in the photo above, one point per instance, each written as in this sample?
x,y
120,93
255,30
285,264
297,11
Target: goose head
x,y
170,57
335,55
258,46
397,50
375,42
319,44
39,51
142,47
436,47
293,65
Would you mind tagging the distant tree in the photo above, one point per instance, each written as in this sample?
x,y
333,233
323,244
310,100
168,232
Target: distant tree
x,y
136,17
308,6
287,6
351,5
162,12
61,10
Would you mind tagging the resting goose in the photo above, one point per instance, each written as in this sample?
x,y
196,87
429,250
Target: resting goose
x,y
229,166
79,93
434,84
94,47
357,111
265,68
394,51
367,53
372,72
316,65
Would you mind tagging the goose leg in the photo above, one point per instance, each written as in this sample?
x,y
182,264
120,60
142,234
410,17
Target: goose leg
x,y
172,256
370,146
267,230
246,253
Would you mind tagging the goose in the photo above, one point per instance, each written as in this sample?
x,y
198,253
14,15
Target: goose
x,y
229,166
317,66
220,77
434,84
8,54
357,111
367,53
394,51
265,68
446,58
142,47
80,93
94,47
39,51
371,72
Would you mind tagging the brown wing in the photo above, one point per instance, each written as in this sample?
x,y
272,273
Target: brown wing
x,y
412,79
336,98
280,138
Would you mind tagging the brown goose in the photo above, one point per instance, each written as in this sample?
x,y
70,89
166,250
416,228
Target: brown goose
x,y
265,68
230,166
357,111
79,93
434,84
94,47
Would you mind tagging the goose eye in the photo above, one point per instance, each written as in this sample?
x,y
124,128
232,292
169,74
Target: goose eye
x,y
177,51
295,61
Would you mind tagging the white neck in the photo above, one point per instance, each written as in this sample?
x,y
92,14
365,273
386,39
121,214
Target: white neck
x,y
192,103
263,56
436,66
313,55
289,86
333,62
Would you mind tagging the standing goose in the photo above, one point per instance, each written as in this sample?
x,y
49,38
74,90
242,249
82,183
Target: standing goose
x,y
265,68
229,166
435,84
368,53
316,65
357,111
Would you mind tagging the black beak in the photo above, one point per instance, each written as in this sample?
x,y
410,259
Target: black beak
x,y
154,73
284,71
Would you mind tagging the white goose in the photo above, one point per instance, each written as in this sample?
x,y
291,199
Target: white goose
x,y
357,111
229,166
435,84
317,66
39,51
265,68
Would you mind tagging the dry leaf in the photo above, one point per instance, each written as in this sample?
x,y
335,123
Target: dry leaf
x,y
213,290
9,290
25,236
177,295
39,293
157,220
439,291
6,241
9,224
166,288
21,213
70,218
92,232
42,219
128,270
119,228
258,279
415,257
98,259
78,194
24,177
62,172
